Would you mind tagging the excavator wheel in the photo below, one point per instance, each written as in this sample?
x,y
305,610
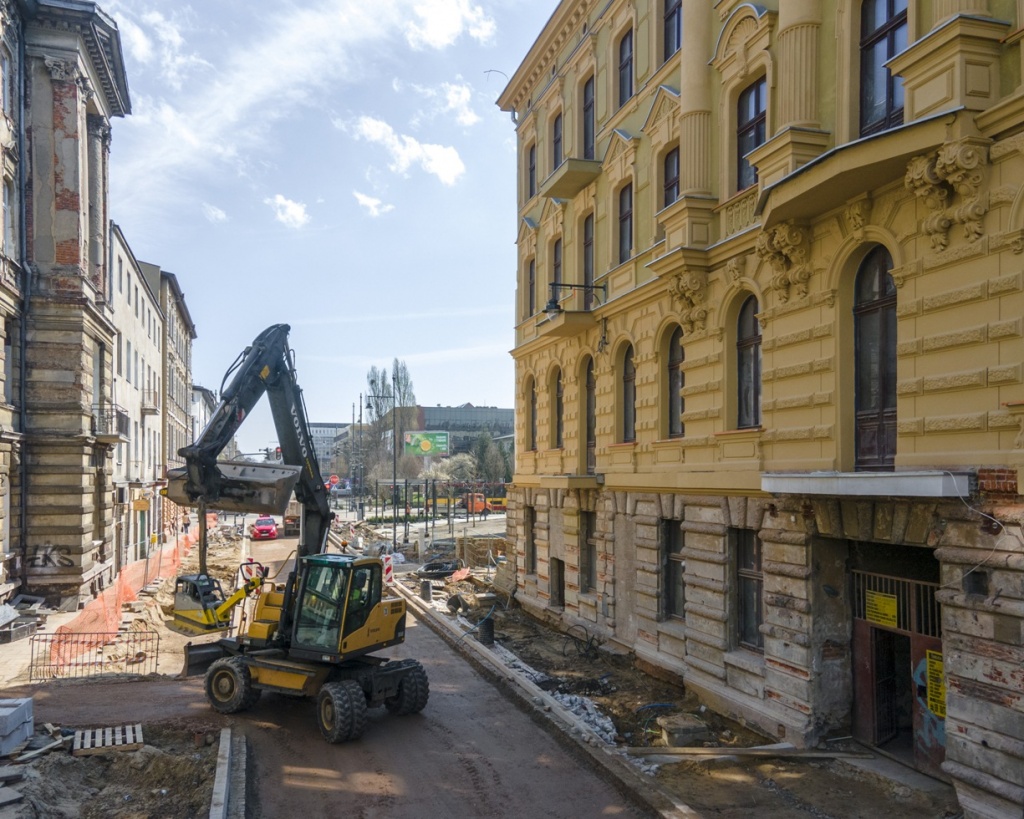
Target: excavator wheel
x,y
229,686
341,711
413,692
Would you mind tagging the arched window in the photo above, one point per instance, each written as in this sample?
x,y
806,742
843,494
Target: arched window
x,y
558,412
588,261
675,382
625,223
751,123
531,386
556,142
628,396
591,416
625,67
670,178
556,262
531,171
748,366
589,127
883,35
874,319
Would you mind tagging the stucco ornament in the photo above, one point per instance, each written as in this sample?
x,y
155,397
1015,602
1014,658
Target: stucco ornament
x,y
956,169
857,216
786,249
62,70
689,289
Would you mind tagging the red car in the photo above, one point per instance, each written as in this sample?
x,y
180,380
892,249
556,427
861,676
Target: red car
x,y
263,529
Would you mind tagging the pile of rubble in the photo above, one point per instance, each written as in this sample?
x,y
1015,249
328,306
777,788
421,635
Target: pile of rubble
x,y
22,617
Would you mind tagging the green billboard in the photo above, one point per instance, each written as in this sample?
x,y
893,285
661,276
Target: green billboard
x,y
426,443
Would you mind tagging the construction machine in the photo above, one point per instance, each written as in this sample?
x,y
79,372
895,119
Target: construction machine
x,y
315,634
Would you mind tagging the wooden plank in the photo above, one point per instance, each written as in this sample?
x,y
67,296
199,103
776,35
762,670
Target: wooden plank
x,y
9,796
40,751
796,753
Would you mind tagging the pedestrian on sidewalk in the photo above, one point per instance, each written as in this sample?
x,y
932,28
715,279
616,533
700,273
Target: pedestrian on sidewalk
x,y
185,525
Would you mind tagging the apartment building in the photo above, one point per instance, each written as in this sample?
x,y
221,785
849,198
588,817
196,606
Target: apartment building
x,y
769,362
176,376
138,393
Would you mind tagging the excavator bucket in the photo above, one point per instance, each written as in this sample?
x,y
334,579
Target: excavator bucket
x,y
243,487
199,657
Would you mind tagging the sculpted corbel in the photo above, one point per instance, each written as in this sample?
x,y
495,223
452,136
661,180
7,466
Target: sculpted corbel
x,y
786,249
689,288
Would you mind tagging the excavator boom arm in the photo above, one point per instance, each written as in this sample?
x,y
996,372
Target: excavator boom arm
x,y
266,366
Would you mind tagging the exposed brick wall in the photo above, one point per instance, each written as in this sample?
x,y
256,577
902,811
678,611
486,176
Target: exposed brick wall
x,y
997,481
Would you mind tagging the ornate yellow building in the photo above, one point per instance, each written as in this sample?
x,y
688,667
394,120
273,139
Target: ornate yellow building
x,y
769,408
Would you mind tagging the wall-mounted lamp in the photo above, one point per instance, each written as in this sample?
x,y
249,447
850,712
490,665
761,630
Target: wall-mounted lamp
x,y
553,308
602,343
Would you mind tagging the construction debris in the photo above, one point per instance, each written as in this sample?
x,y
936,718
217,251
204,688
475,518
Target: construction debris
x,y
16,724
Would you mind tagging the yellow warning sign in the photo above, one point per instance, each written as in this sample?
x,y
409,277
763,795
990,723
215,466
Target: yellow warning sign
x,y
936,684
880,608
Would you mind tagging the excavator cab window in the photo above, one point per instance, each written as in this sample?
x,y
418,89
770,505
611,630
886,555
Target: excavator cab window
x,y
321,606
364,594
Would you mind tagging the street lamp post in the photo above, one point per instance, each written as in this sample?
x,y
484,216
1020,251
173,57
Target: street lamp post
x,y
394,452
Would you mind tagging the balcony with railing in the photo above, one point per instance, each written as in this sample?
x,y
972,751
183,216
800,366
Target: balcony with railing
x,y
110,423
150,402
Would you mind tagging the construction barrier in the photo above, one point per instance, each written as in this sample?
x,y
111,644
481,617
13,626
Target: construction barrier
x,y
101,616
88,655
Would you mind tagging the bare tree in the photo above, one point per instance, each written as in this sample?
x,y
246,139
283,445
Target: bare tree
x,y
391,410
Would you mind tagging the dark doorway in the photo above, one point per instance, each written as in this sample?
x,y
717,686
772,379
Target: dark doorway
x,y
894,717
557,592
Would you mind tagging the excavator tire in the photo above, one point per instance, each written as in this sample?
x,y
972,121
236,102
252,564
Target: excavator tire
x,y
229,686
341,711
413,692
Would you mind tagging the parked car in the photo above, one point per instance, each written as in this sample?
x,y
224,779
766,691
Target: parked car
x,y
263,529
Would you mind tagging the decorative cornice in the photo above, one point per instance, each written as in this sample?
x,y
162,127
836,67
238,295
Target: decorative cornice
x,y
957,168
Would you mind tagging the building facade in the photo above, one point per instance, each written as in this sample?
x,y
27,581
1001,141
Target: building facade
x,y
63,85
769,362
138,393
176,381
464,423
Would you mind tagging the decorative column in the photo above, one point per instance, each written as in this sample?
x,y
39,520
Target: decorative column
x,y
798,49
944,9
99,151
695,100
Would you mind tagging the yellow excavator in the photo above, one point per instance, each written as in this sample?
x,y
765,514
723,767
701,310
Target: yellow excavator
x,y
313,635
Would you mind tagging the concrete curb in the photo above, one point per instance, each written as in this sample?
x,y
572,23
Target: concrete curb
x,y
222,780
553,716
230,783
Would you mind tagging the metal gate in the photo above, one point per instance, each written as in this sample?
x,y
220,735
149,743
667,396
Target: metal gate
x,y
71,655
897,652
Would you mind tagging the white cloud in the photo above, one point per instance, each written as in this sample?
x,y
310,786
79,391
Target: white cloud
x,y
373,206
457,100
441,22
213,213
289,213
440,160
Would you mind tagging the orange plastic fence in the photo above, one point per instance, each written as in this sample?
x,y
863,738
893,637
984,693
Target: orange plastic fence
x,y
102,615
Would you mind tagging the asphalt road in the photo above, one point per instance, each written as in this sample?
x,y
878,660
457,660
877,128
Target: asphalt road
x,y
470,753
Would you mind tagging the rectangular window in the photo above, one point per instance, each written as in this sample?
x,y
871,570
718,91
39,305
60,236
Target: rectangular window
x,y
128,363
750,132
120,275
749,589
9,218
673,27
625,224
530,543
120,354
625,68
673,599
556,142
531,171
589,128
588,552
671,171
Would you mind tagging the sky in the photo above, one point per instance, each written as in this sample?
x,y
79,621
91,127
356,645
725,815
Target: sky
x,y
339,166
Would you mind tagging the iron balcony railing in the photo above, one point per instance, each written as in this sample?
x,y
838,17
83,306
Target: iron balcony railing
x,y
110,423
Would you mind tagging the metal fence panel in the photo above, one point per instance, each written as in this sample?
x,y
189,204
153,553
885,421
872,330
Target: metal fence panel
x,y
69,656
